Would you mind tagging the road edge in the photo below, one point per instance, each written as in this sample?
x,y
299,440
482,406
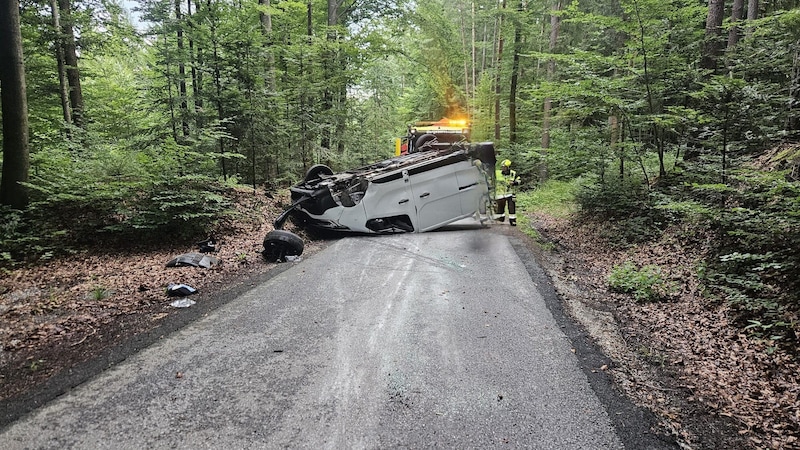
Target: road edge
x,y
637,427
15,408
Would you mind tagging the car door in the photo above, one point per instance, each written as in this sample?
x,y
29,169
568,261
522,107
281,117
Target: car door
x,y
472,187
435,193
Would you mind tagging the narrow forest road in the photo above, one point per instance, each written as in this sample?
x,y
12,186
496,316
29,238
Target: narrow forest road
x,y
420,340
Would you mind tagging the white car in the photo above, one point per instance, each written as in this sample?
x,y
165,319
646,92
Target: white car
x,y
417,192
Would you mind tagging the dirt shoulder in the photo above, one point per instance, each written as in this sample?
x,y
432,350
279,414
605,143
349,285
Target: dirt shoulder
x,y
711,385
62,321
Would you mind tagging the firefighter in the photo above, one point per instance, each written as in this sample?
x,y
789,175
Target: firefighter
x,y
505,179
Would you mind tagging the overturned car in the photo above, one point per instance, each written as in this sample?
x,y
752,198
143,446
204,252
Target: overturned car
x,y
433,186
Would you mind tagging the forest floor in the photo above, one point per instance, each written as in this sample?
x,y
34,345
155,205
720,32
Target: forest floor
x,y
711,385
61,314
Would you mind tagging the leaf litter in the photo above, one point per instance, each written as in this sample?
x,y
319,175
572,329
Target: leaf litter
x,y
68,310
711,384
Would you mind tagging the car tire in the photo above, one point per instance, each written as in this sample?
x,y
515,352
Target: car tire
x,y
316,170
422,140
278,244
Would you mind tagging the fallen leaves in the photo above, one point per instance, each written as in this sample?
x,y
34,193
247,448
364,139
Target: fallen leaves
x,y
689,340
60,308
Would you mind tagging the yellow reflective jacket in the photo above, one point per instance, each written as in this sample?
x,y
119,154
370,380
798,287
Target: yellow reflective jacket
x,y
503,183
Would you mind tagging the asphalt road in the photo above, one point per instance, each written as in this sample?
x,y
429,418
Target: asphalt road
x,y
416,341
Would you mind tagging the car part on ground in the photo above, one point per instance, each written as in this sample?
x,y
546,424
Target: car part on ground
x,y
280,244
180,290
207,246
193,259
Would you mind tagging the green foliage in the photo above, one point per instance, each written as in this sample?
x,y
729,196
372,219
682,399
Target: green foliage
x,y
72,210
99,293
555,198
36,365
615,199
752,232
16,240
757,262
645,283
625,207
179,206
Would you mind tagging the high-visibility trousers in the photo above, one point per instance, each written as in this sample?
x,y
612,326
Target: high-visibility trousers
x,y
500,209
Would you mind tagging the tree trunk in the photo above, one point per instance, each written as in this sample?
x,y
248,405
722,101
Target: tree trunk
x,y
752,14
16,160
304,148
266,31
474,61
61,66
498,70
621,152
217,73
712,45
71,59
555,23
613,124
464,46
329,69
336,92
650,101
333,12
184,114
736,16
483,51
793,118
170,100
195,59
752,9
512,97
265,18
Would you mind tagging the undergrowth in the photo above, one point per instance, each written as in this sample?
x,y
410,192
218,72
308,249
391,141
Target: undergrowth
x,y
749,228
646,284
66,214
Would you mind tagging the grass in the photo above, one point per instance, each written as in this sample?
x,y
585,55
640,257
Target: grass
x,y
99,293
555,198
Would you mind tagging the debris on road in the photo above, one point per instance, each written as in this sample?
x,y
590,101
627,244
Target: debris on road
x,y
179,290
194,259
182,303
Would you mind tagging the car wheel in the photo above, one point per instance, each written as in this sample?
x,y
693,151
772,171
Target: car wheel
x,y
278,244
316,170
422,140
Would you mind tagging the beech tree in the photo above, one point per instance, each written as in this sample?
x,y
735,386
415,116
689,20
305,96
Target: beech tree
x,y
16,161
712,44
61,64
70,52
555,25
736,16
